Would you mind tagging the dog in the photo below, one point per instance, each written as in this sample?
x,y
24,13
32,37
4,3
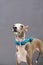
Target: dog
x,y
25,48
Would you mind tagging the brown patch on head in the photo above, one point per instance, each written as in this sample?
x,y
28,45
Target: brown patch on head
x,y
26,28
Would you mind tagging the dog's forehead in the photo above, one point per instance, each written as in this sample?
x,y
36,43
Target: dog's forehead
x,y
18,25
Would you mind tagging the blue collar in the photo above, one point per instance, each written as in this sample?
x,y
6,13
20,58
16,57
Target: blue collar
x,y
23,42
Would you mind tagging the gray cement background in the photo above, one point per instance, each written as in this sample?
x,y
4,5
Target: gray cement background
x,y
28,12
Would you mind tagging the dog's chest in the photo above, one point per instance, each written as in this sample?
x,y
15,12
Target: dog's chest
x,y
21,53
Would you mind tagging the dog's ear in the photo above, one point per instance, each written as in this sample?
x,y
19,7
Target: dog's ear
x,y
26,28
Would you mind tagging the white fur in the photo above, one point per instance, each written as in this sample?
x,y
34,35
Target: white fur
x,y
21,54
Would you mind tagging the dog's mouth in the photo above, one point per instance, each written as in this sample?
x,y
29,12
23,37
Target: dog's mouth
x,y
15,30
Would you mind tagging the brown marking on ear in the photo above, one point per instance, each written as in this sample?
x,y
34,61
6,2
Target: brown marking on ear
x,y
26,28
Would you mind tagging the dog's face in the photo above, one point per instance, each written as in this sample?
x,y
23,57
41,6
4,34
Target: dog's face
x,y
19,29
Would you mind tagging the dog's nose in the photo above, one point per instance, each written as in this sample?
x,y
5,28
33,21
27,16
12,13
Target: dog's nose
x,y
15,29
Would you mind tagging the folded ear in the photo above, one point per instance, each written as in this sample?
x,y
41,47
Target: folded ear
x,y
26,28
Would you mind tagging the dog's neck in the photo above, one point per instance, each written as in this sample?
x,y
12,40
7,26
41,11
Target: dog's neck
x,y
20,39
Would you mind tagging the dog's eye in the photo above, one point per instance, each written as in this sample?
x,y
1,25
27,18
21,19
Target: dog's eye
x,y
21,26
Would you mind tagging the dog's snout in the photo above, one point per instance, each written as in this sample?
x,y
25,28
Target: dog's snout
x,y
15,29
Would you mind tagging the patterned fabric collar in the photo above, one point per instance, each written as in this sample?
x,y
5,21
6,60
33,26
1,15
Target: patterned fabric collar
x,y
23,42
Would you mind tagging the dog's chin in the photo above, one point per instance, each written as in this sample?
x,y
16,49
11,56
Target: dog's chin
x,y
15,33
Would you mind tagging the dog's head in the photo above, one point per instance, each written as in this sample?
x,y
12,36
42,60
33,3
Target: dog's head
x,y
19,29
